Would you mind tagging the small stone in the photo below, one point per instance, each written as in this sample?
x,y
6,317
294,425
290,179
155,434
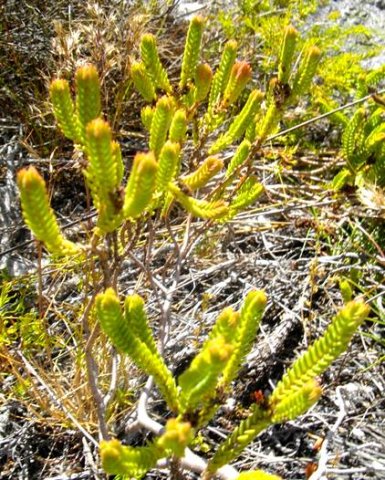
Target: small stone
x,y
358,434
230,405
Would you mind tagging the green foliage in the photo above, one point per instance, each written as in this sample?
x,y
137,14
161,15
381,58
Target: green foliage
x,y
245,331
200,177
240,123
140,185
153,65
191,51
346,290
146,115
160,124
235,443
323,352
363,148
199,208
38,214
18,323
368,81
353,135
297,403
306,71
168,165
198,382
122,329
132,461
142,81
211,372
173,114
178,126
221,76
136,461
239,157
341,71
137,320
266,21
268,125
104,173
340,68
203,79
88,103
64,108
239,77
153,180
247,194
257,475
298,389
188,126
177,436
287,54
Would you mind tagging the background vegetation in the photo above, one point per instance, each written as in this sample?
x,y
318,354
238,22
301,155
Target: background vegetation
x,y
312,241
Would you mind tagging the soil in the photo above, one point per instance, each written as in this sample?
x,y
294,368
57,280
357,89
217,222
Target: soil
x,y
277,247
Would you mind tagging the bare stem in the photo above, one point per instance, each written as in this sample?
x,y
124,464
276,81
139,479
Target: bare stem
x,y
92,371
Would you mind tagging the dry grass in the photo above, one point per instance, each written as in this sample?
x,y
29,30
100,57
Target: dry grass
x,y
42,40
296,244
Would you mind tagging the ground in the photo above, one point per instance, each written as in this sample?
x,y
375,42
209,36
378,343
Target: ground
x,y
296,250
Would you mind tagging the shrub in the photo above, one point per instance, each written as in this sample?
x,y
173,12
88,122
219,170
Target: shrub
x,y
188,126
